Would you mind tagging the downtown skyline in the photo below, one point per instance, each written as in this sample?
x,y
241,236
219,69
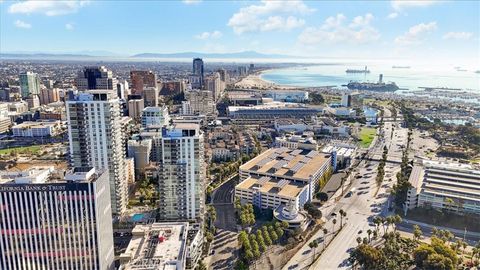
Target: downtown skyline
x,y
389,29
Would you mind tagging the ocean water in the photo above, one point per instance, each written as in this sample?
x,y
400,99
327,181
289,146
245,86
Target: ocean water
x,y
407,79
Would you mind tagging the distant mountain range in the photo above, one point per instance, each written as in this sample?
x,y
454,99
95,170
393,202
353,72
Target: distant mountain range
x,y
90,54
244,54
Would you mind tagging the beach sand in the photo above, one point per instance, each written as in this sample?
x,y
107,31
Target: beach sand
x,y
254,81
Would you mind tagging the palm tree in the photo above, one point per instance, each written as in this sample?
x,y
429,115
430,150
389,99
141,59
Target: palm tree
x,y
342,214
417,232
369,232
313,245
377,221
359,240
384,222
325,231
334,221
396,220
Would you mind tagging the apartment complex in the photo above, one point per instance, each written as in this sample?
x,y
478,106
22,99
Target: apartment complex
x,y
181,172
199,102
141,79
155,117
214,84
50,223
281,175
451,186
135,108
49,95
95,139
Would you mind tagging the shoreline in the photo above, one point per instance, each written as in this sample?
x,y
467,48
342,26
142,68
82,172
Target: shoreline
x,y
255,81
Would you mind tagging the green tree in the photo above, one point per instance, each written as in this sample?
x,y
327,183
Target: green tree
x,y
366,256
438,262
201,266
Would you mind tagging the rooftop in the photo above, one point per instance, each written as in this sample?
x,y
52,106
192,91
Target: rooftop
x,y
282,188
37,124
300,164
156,246
48,174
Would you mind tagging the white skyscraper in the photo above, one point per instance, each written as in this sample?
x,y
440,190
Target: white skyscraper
x,y
181,172
95,138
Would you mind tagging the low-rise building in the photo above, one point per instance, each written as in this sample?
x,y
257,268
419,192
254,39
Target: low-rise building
x,y
37,129
288,95
269,111
371,115
242,98
342,154
303,141
444,185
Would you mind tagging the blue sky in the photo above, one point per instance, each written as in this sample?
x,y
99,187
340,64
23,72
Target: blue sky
x,y
426,29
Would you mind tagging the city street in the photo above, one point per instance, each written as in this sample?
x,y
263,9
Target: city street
x,y
363,205
224,246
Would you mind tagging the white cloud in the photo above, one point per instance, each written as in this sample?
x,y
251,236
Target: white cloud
x,y
69,26
209,35
22,24
49,8
392,15
416,34
269,16
402,4
191,2
458,35
336,30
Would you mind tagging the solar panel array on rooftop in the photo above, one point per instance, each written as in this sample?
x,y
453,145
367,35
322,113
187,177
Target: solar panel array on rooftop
x,y
282,183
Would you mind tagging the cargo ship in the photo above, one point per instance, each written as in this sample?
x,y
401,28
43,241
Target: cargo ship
x,y
379,86
358,70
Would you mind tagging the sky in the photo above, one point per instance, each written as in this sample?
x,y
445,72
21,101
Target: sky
x,y
365,29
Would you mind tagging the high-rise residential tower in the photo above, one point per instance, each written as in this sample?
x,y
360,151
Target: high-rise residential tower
x,y
95,137
49,222
181,172
95,78
29,84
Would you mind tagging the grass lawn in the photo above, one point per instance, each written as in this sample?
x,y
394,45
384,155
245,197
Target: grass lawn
x,y
34,149
450,220
366,136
